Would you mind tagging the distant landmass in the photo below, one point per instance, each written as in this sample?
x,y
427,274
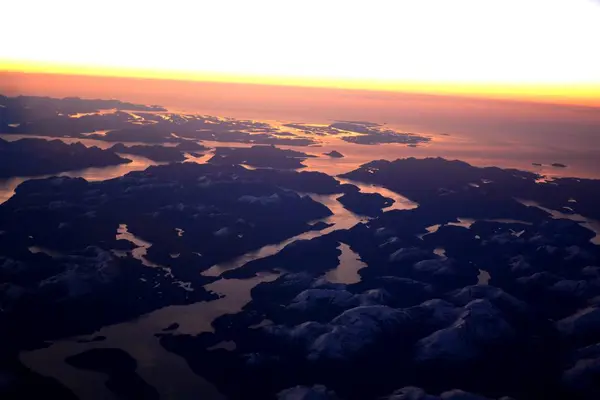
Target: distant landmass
x,y
127,122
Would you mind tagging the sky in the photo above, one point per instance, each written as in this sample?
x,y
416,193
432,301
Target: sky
x,y
511,47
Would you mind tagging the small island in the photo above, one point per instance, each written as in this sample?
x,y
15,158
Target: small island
x,y
334,154
370,204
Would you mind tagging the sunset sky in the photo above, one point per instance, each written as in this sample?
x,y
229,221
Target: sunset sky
x,y
509,47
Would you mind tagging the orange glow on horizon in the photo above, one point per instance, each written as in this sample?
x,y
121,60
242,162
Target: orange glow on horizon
x,y
582,94
542,50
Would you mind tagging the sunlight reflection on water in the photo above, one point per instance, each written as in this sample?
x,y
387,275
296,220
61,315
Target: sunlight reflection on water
x,y
349,263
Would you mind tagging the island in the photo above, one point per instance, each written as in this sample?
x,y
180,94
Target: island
x,y
153,152
260,156
365,203
152,133
370,133
334,154
387,136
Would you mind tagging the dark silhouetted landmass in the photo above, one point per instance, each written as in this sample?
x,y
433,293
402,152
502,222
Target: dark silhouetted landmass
x,y
419,180
70,116
154,133
224,211
260,156
416,318
19,382
22,107
155,153
120,368
313,129
361,123
387,136
370,133
189,145
480,288
66,126
79,118
297,256
171,327
352,127
30,157
334,154
365,203
98,338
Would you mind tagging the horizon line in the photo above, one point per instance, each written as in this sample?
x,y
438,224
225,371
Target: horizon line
x,y
558,93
